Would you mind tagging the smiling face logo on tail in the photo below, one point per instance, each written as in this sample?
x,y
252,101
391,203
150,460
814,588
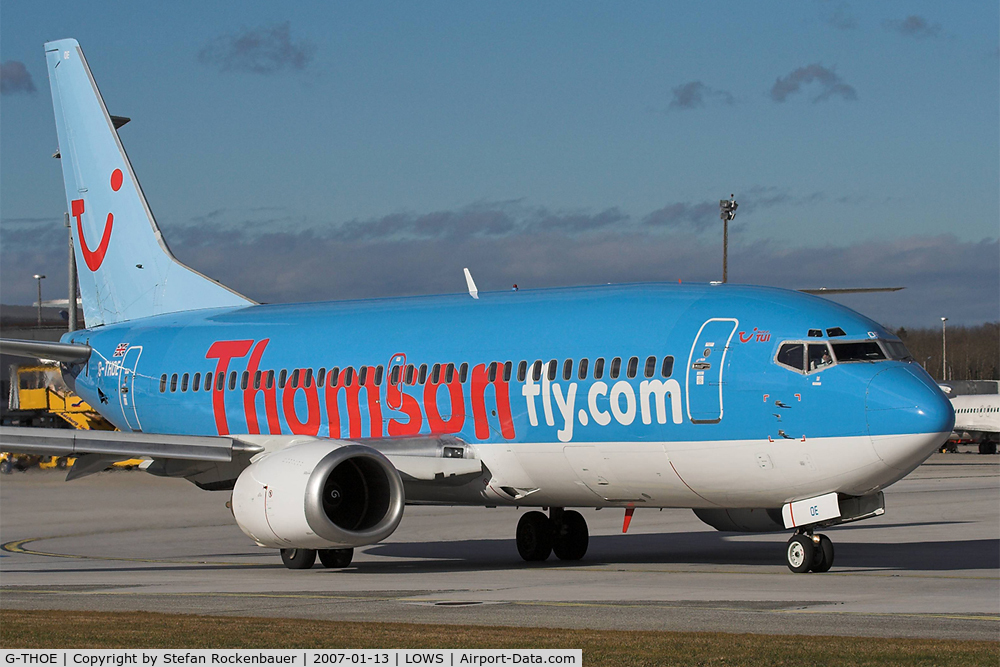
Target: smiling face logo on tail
x,y
95,258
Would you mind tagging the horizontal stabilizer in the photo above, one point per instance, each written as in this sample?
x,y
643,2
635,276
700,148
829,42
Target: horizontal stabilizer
x,y
849,290
69,353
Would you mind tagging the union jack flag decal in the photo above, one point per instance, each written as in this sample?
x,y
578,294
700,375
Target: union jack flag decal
x,y
120,350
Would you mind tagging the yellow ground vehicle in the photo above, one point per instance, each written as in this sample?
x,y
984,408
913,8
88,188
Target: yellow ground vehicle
x,y
40,397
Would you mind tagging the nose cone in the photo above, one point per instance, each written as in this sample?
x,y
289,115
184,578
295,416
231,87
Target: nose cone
x,y
908,416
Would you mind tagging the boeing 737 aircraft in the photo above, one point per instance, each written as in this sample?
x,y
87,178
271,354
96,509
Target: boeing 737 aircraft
x,y
978,417
760,409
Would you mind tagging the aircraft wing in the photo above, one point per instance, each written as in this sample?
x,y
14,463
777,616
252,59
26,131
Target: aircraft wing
x,y
426,458
59,442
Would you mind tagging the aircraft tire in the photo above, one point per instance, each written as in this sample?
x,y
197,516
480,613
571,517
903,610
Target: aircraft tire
x,y
534,536
336,557
298,559
987,447
571,536
823,560
800,553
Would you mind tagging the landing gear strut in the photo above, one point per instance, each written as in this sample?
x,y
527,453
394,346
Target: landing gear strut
x,y
807,552
563,532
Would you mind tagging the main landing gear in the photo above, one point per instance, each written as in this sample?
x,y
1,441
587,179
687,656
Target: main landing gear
x,y
563,532
807,552
303,559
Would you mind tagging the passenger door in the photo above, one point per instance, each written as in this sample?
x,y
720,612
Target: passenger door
x,y
126,387
704,370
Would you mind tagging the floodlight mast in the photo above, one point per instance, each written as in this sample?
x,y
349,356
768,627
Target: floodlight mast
x,y
727,211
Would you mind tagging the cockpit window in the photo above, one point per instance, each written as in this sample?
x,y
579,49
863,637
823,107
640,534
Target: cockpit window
x,y
819,356
867,350
792,355
897,350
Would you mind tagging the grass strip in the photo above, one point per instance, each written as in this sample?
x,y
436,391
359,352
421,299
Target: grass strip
x,y
103,630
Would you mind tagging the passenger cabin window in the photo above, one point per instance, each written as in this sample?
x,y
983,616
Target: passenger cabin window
x,y
492,371
245,380
348,376
197,382
865,350
232,381
256,379
582,369
173,383
163,383
269,382
394,375
363,376
599,368
309,378
633,367
506,371
379,371
650,369
295,378
449,373
568,369
320,376
463,372
436,374
553,369
819,356
668,367
792,355
220,382
208,382
282,377
423,374
184,381
522,371
536,370
334,376
616,368
411,374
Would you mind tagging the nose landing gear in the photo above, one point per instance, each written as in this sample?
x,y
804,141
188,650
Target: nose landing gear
x,y
563,532
807,552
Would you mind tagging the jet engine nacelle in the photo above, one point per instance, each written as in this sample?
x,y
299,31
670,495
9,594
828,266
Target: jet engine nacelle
x,y
742,520
319,495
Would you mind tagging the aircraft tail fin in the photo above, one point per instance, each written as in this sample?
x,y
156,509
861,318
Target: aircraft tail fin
x,y
125,268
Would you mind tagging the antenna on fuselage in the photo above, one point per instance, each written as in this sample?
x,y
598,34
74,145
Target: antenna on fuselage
x,y
473,290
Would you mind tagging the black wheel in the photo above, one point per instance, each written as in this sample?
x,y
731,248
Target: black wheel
x,y
570,537
61,462
534,536
800,554
336,557
987,447
298,559
823,560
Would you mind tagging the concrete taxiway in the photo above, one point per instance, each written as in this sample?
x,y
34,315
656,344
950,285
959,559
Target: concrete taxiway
x,y
930,567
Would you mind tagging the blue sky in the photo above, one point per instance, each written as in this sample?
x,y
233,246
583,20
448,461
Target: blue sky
x,y
365,149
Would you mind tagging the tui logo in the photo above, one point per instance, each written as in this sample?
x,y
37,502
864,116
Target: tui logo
x,y
95,258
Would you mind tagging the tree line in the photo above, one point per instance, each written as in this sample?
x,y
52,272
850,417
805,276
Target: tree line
x,y
973,351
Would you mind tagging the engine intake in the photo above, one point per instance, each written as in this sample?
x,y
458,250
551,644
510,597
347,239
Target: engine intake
x,y
319,495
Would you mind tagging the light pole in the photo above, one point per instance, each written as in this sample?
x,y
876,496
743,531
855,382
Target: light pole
x,y
727,211
39,278
944,351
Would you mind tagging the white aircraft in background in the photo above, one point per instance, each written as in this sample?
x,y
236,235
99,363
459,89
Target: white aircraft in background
x,y
977,417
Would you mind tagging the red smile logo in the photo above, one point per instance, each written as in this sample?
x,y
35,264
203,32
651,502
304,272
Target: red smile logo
x,y
95,258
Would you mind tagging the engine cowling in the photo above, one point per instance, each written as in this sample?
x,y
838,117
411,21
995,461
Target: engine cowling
x,y
319,495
